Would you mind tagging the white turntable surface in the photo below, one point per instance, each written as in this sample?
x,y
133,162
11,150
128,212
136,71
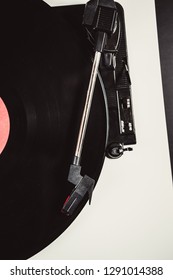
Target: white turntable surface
x,y
131,216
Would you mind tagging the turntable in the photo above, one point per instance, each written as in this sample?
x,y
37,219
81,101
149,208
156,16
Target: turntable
x,y
47,62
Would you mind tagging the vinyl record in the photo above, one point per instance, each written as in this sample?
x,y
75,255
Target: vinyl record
x,y
45,69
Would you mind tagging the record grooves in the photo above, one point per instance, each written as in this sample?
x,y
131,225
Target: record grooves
x,y
44,66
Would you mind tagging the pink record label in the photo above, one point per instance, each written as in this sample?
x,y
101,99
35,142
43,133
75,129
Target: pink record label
x,y
4,125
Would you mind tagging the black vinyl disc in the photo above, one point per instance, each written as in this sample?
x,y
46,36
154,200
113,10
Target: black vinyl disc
x,y
45,69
